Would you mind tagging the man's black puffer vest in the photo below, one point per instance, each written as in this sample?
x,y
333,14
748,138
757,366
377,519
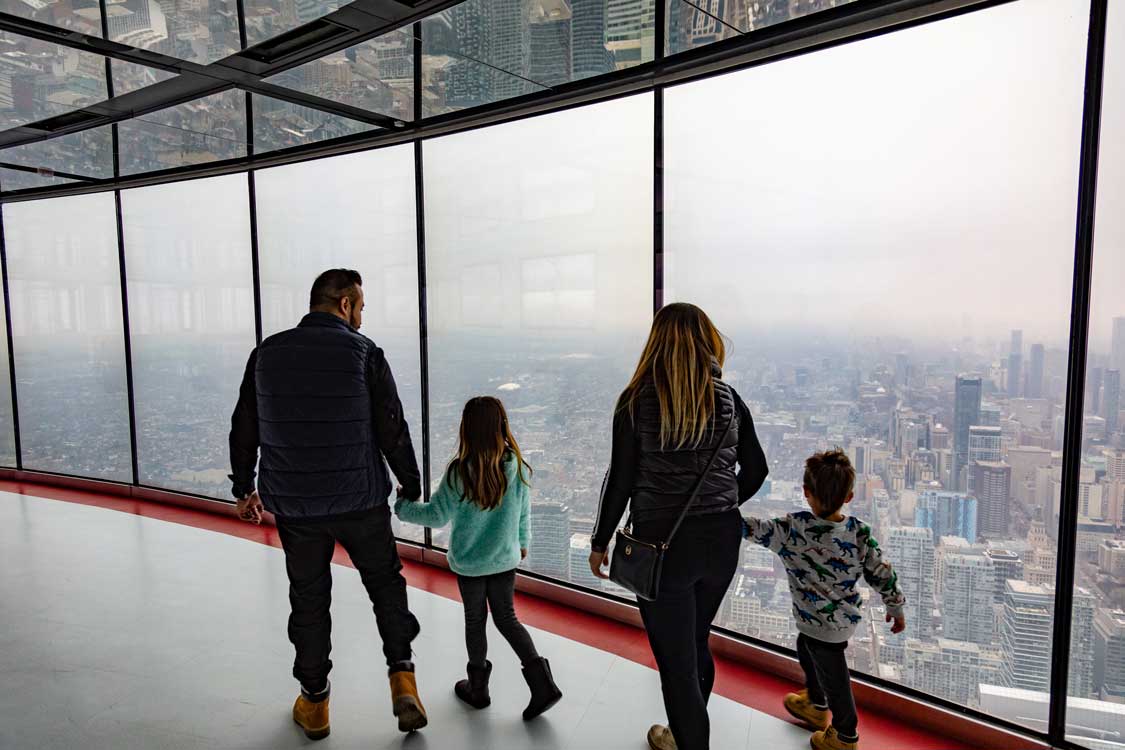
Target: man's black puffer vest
x,y
318,453
665,477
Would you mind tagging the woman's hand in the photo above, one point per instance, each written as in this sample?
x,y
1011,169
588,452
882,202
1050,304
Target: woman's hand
x,y
598,561
523,553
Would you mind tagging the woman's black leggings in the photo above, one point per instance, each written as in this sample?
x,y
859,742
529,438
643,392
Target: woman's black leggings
x,y
495,592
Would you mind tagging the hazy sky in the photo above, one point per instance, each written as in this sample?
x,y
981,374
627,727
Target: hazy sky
x,y
923,182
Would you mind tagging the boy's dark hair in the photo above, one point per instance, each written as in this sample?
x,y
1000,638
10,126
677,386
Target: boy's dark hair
x,y
333,285
830,478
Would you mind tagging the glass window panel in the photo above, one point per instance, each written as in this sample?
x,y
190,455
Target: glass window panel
x,y
65,282
191,316
87,153
129,77
483,51
1097,670
40,80
279,124
208,129
83,16
7,423
354,211
201,31
266,19
880,297
15,179
697,23
377,75
539,267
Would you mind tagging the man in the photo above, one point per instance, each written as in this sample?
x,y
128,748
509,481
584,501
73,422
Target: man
x,y
320,402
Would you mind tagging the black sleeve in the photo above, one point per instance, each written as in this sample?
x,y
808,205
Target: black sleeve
x,y
244,433
618,484
392,434
752,467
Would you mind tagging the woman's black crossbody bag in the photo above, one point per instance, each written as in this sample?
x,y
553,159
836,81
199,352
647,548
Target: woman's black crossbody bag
x,y
637,564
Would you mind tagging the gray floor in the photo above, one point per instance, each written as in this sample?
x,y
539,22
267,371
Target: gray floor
x,y
123,632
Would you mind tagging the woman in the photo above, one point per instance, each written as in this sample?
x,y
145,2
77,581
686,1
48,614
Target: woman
x,y
670,419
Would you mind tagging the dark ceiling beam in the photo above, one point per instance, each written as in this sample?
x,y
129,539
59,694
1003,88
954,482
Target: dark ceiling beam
x,y
354,23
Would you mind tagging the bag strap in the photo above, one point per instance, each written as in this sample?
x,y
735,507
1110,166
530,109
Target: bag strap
x,y
699,483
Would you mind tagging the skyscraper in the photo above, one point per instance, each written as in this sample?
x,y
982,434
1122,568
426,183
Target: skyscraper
x,y
984,443
947,514
1094,390
1025,638
1111,400
550,44
911,551
968,593
1117,348
1006,566
1109,655
550,535
949,668
992,485
580,572
966,413
587,28
1035,372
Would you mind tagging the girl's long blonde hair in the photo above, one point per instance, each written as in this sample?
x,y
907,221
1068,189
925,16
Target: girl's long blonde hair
x,y
677,361
486,438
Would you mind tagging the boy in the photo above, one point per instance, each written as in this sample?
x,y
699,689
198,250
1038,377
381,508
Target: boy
x,y
825,554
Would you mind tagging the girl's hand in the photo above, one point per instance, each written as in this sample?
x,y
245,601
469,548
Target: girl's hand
x,y
523,553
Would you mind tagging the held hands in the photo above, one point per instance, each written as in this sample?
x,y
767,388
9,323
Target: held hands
x,y
250,508
899,623
598,561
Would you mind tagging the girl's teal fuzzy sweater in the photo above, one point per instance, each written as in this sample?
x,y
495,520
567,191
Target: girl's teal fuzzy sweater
x,y
483,542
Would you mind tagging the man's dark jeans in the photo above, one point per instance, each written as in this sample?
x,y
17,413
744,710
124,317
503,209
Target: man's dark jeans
x,y
370,544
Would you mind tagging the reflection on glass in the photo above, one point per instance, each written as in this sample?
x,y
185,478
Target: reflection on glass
x,y
128,77
376,75
207,129
15,179
483,51
83,16
882,298
1095,711
268,18
279,124
697,23
40,80
7,423
191,315
87,153
354,211
539,264
200,31
68,338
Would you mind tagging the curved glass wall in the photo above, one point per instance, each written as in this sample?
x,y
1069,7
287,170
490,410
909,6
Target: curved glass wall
x,y
884,229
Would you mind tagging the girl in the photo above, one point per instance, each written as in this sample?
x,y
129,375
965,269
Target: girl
x,y
486,496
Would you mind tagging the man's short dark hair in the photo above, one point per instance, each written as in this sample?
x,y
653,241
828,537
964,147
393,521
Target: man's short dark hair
x,y
830,478
333,285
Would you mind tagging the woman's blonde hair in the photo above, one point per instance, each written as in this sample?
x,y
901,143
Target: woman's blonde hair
x,y
677,361
486,439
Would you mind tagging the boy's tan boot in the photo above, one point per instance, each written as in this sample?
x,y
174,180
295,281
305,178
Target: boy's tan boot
x,y
660,738
829,740
802,709
311,717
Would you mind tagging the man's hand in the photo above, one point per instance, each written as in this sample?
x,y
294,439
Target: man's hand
x,y
899,623
523,553
598,561
250,508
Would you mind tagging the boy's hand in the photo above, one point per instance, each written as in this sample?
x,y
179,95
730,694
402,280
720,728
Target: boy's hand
x,y
899,623
523,553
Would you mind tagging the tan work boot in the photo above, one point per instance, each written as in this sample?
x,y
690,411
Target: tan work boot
x,y
829,740
311,717
406,703
660,738
802,709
